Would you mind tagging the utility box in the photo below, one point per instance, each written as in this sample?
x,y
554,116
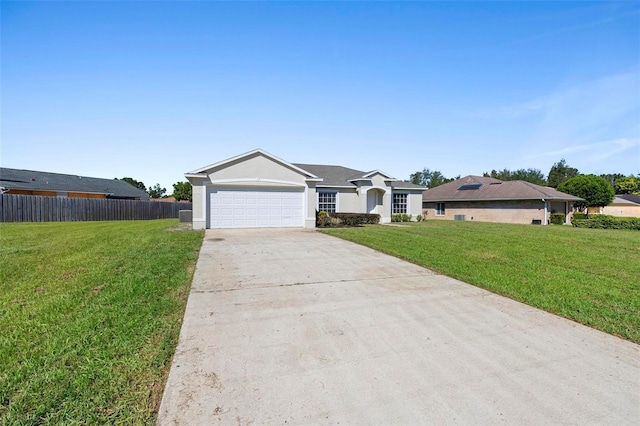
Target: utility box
x,y
185,216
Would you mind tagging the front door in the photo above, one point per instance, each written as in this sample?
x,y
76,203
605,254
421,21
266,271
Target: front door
x,y
373,200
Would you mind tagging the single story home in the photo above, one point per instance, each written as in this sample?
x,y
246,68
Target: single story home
x,y
625,205
257,189
486,199
30,182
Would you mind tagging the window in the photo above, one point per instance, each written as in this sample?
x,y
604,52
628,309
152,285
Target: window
x,y
439,209
327,201
399,204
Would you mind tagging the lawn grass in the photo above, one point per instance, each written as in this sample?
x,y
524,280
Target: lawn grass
x,y
589,275
90,315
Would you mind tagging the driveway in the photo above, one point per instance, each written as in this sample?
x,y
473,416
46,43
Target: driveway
x,y
297,327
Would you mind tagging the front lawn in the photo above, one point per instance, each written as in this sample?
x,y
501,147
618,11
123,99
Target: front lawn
x,y
90,315
589,275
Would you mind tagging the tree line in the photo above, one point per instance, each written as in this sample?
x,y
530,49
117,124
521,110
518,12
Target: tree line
x,y
181,190
559,173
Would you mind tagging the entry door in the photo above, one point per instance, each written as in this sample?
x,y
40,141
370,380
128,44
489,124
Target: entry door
x,y
373,200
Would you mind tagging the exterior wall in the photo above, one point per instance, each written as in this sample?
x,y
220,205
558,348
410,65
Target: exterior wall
x,y
84,195
415,203
622,210
199,203
311,204
348,201
523,212
255,168
26,192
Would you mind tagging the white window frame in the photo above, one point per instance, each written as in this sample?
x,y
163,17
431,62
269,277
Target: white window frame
x,y
440,209
335,201
395,207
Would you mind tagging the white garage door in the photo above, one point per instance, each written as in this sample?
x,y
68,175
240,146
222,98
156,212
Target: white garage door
x,y
256,209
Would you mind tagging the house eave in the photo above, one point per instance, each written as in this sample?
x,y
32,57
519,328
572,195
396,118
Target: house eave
x,y
449,200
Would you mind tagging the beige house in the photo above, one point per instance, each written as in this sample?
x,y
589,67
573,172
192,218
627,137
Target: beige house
x,y
625,205
486,199
257,189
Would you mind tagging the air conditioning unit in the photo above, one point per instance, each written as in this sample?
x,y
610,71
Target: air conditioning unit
x,y
459,217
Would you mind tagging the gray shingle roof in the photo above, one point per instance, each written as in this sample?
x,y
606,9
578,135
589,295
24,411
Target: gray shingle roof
x,y
493,189
626,199
332,175
32,180
343,176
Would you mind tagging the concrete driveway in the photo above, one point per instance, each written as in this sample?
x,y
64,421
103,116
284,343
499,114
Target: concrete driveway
x,y
296,327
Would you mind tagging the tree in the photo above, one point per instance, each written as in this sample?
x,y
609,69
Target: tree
x,y
596,191
530,175
156,191
429,178
135,183
612,178
182,191
627,185
560,172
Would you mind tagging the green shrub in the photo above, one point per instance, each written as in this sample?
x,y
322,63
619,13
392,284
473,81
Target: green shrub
x,y
355,219
579,215
401,217
323,219
607,222
419,218
326,220
557,218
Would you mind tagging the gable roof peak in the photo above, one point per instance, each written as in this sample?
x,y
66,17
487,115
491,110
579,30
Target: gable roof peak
x,y
249,154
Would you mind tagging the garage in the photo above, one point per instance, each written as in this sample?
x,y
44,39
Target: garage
x,y
256,208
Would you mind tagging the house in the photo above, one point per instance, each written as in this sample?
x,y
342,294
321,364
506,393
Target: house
x,y
257,189
625,205
487,199
170,199
30,182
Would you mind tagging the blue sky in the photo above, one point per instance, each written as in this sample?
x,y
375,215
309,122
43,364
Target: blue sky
x,y
152,90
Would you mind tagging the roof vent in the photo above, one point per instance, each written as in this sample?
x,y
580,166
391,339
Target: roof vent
x,y
467,186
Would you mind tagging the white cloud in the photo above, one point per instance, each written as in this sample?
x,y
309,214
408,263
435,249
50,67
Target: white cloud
x,y
597,151
592,123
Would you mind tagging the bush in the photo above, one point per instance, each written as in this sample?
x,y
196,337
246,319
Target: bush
x,y
578,215
356,219
419,218
557,218
324,219
400,218
607,222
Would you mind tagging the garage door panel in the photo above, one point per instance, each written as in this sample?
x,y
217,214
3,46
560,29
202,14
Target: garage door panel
x,y
251,209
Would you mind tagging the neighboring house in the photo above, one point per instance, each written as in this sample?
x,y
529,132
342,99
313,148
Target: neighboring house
x,y
257,189
487,199
30,182
170,199
625,205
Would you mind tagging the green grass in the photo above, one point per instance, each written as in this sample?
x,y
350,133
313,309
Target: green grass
x,y
589,275
90,315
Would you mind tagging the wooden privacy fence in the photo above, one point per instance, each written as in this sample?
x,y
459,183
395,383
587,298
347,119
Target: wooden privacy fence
x,y
33,208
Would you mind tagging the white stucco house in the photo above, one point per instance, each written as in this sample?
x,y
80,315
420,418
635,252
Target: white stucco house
x,y
257,189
